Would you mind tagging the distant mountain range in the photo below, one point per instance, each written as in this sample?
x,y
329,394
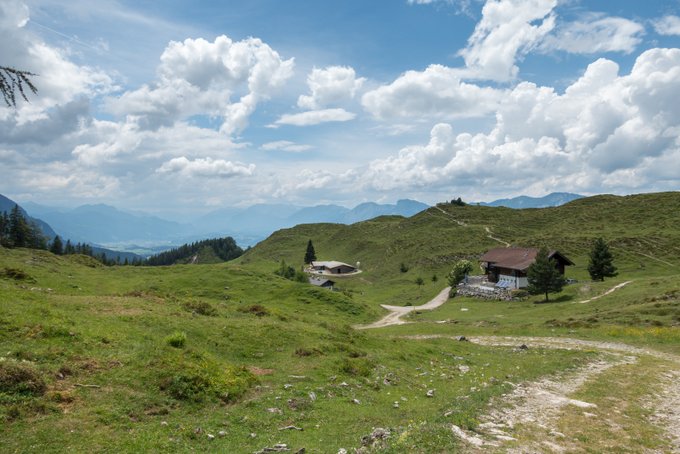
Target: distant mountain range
x,y
551,200
145,234
107,226
264,219
7,205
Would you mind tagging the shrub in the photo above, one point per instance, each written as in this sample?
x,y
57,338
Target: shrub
x,y
452,292
177,339
197,377
403,268
358,367
302,352
256,309
20,379
200,307
16,274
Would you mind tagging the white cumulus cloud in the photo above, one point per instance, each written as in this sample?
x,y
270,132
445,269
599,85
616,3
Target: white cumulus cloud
x,y
285,145
197,76
595,33
206,167
330,86
314,117
436,92
605,132
508,30
668,25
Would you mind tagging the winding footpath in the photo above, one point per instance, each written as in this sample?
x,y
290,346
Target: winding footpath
x,y
536,407
396,312
489,233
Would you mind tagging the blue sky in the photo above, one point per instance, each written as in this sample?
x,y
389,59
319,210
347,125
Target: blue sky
x,y
186,106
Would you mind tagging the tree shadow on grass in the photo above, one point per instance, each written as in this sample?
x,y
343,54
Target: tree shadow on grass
x,y
559,299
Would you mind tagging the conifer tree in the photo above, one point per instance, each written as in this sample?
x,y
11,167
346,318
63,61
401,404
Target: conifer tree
x,y
4,229
543,275
601,261
68,248
57,246
19,230
310,254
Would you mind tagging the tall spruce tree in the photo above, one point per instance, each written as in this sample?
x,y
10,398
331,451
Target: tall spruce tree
x,y
543,275
601,261
19,230
310,254
57,246
68,248
4,229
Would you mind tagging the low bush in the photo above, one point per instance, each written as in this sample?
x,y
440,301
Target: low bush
x,y
256,309
177,339
200,307
196,377
357,367
16,274
21,379
302,352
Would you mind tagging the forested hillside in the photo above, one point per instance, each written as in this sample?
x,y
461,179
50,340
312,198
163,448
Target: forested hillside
x,y
206,251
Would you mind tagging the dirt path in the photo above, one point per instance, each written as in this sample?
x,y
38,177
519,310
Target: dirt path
x,y
613,289
396,312
457,221
538,405
490,235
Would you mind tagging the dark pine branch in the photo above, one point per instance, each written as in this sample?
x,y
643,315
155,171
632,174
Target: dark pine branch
x,y
13,80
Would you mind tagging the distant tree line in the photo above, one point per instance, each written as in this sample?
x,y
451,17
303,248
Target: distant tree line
x,y
18,231
224,248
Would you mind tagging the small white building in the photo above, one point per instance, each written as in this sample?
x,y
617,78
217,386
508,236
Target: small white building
x,y
332,267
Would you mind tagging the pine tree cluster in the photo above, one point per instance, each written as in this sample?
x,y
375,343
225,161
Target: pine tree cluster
x,y
17,231
224,248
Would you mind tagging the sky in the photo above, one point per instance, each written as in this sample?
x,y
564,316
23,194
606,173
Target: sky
x,y
189,106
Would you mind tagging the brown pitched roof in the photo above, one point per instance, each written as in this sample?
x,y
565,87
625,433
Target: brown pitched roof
x,y
517,258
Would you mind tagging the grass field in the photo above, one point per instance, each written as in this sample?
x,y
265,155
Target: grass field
x,y
133,359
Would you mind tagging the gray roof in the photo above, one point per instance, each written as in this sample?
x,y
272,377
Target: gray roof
x,y
330,264
320,282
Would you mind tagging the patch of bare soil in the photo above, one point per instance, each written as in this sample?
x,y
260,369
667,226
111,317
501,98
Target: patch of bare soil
x,y
666,407
538,404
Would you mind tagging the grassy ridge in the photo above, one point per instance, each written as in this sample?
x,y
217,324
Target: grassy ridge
x,y
642,231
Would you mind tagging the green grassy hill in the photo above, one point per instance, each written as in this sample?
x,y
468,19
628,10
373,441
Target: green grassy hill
x,y
149,359
643,232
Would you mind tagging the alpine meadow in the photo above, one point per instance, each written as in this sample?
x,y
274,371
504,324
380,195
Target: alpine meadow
x,y
396,226
92,361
